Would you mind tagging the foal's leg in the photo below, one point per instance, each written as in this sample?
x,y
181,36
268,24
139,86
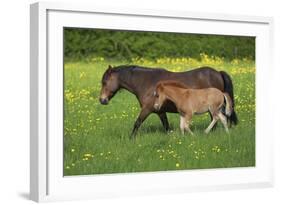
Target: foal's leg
x,y
182,124
211,116
187,122
215,119
224,121
164,120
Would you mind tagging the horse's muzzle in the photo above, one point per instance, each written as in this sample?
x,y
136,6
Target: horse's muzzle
x,y
156,107
104,101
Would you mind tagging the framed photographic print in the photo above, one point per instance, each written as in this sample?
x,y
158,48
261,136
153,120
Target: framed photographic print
x,y
128,101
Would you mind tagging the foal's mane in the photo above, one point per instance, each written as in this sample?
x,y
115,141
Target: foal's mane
x,y
171,83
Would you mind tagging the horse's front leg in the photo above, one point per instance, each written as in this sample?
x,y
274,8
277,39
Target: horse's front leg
x,y
142,116
164,120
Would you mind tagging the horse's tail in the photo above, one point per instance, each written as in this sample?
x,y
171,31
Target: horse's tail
x,y
228,88
228,104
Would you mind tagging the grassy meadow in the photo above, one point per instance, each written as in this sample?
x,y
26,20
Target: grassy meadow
x,y
96,137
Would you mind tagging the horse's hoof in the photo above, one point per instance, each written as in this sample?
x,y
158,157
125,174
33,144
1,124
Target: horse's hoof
x,y
132,137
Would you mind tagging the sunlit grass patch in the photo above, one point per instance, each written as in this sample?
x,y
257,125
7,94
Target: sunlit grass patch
x,y
96,137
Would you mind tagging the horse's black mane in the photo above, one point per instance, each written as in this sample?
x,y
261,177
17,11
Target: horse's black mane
x,y
134,68
121,67
126,68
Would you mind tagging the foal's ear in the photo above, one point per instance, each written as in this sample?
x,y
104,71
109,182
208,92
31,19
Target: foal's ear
x,y
161,87
110,67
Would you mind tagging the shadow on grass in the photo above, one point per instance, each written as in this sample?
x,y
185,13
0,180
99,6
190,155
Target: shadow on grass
x,y
197,127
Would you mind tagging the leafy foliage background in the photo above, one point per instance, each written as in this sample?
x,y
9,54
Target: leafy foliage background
x,y
81,44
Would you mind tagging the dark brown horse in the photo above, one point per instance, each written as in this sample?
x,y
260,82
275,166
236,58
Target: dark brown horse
x,y
141,82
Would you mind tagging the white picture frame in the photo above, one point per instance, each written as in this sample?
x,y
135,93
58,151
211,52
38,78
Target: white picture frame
x,y
47,182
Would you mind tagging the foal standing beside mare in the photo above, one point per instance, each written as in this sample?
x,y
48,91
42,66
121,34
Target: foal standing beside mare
x,y
141,82
193,101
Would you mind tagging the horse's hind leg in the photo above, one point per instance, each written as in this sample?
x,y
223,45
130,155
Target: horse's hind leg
x,y
215,125
182,124
188,128
215,119
187,121
224,121
164,120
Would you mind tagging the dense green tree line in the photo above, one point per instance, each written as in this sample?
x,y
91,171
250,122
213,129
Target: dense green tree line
x,y
112,44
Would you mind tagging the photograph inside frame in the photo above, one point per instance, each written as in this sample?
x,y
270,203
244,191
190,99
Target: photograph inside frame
x,y
142,101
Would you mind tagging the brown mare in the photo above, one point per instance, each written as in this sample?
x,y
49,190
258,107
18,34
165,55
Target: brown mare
x,y
141,81
193,101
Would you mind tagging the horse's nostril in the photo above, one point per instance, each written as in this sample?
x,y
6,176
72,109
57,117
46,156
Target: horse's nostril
x,y
103,101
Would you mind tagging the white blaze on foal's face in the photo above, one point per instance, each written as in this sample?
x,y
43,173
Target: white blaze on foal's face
x,y
157,105
159,98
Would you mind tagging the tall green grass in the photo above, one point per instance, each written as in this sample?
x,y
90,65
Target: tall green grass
x,y
96,137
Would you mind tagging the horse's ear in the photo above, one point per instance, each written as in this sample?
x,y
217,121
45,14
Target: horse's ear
x,y
109,69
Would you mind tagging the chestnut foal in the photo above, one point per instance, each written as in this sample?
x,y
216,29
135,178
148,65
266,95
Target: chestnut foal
x,y
193,101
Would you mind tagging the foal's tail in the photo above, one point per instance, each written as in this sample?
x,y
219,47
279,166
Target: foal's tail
x,y
228,88
228,104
